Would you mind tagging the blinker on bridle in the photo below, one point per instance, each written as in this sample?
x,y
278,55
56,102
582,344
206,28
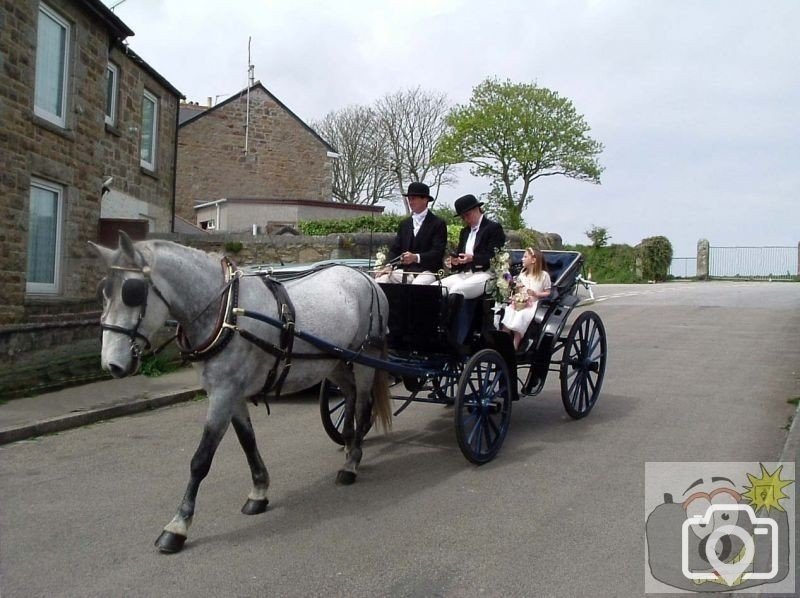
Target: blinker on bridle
x,y
134,294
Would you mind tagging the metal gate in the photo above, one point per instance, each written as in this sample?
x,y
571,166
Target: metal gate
x,y
753,263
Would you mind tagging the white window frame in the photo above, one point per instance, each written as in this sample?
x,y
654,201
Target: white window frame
x,y
150,165
56,119
113,70
44,287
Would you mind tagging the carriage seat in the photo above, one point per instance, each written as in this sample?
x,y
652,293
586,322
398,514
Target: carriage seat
x,y
563,268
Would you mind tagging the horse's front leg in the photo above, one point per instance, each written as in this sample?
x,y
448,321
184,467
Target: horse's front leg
x,y
175,532
257,499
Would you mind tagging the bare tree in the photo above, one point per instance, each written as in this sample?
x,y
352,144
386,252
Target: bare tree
x,y
359,174
412,122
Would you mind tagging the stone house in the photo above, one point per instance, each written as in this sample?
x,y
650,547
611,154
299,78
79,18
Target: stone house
x,y
249,161
78,107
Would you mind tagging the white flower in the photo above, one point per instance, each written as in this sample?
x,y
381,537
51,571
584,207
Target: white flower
x,y
380,259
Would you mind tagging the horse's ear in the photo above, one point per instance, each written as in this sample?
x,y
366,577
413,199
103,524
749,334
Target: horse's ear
x,y
104,252
126,245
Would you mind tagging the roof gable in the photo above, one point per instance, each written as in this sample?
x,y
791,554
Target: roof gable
x,y
238,96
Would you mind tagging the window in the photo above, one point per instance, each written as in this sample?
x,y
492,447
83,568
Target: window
x,y
208,224
52,50
112,85
147,151
44,237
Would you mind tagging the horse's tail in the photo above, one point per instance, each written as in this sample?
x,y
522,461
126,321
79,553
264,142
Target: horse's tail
x,y
381,395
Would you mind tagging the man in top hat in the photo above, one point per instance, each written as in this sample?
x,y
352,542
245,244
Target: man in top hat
x,y
477,244
419,245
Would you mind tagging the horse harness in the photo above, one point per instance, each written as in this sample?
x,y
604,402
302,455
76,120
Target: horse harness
x,y
134,294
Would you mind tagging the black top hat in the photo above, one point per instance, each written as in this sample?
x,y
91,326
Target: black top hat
x,y
465,203
418,190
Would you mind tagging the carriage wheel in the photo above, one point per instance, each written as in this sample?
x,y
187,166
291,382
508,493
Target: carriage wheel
x,y
483,406
445,387
331,408
583,364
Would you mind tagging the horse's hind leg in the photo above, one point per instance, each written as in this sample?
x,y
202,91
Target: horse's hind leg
x,y
175,532
257,499
362,409
342,376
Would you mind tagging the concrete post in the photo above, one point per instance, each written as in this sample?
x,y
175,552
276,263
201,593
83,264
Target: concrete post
x,y
702,259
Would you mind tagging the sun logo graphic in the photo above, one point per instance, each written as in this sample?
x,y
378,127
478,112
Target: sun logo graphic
x,y
721,527
766,492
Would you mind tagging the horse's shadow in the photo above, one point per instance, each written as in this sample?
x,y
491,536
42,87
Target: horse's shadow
x,y
401,465
396,468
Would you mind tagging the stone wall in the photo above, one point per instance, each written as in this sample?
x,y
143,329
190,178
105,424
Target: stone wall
x,y
285,160
64,348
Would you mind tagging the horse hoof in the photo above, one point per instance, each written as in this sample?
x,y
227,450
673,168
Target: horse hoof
x,y
345,478
170,543
254,507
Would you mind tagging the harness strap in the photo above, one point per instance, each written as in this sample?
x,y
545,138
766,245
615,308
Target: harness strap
x,y
225,326
286,312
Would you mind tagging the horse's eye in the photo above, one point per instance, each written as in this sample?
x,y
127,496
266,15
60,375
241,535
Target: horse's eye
x,y
134,292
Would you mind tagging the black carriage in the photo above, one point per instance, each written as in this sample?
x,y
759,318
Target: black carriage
x,y
482,375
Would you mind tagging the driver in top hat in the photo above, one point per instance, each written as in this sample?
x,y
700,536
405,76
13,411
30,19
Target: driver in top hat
x,y
420,243
477,244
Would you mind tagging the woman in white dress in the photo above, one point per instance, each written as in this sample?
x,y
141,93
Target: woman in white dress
x,y
533,283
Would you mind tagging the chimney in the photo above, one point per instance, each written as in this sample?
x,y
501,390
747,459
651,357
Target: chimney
x,y
208,99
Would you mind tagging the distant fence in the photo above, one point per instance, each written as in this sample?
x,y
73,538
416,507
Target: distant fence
x,y
753,263
683,267
744,263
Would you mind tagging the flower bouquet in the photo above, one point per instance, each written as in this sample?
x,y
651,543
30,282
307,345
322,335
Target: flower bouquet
x,y
520,299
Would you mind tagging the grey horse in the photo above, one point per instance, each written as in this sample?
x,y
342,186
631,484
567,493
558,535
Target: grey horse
x,y
151,280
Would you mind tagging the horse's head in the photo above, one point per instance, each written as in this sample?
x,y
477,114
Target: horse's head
x,y
133,307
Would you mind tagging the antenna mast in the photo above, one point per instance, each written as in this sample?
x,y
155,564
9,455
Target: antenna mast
x,y
250,71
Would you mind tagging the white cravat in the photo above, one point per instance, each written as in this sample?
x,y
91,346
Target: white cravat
x,y
473,233
417,219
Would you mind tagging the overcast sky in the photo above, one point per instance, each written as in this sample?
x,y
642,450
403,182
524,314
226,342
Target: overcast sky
x,y
696,101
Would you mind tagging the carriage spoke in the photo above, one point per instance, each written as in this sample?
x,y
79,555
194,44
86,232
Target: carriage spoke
x,y
339,407
475,429
487,433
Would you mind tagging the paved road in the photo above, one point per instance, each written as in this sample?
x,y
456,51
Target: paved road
x,y
697,372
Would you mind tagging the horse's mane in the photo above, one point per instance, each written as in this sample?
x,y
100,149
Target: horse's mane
x,y
150,248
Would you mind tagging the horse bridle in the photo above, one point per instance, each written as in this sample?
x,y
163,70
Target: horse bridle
x,y
134,294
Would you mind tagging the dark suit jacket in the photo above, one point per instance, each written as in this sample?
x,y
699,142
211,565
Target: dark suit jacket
x,y
430,243
491,237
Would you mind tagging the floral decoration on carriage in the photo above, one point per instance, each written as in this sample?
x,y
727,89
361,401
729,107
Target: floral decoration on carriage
x,y
380,257
504,281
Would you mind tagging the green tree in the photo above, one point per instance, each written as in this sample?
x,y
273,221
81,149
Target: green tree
x,y
655,256
516,133
598,235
